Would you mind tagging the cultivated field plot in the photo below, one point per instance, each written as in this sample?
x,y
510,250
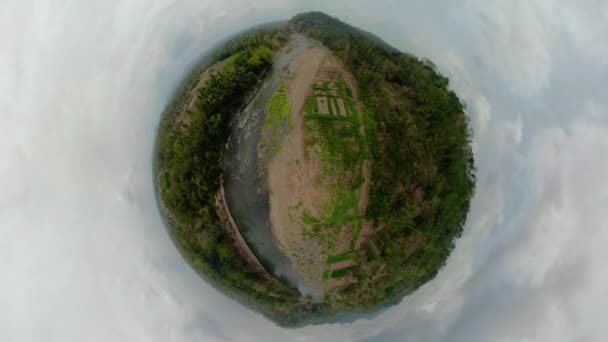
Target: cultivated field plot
x,y
331,98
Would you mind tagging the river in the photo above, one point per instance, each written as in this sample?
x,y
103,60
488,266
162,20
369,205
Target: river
x,y
244,176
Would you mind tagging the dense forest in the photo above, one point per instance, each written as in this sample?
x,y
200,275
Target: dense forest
x,y
422,178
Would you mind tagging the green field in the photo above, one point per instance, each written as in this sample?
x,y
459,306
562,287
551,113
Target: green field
x,y
278,121
341,272
332,259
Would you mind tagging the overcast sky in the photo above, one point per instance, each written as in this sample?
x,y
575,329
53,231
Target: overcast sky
x,y
84,255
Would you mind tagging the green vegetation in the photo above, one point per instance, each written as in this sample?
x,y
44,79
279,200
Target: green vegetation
x,y
336,141
343,89
342,146
278,121
341,272
416,136
332,259
191,167
418,140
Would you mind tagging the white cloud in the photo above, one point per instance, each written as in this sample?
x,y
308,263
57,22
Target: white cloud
x,y
515,42
84,254
586,23
478,106
511,132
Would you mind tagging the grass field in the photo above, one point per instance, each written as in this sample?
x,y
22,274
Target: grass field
x,y
278,121
332,259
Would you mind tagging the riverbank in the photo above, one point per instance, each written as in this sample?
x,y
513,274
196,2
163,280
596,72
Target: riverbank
x,y
245,181
233,230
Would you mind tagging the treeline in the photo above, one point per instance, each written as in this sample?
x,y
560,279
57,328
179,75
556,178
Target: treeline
x,y
189,162
423,168
272,35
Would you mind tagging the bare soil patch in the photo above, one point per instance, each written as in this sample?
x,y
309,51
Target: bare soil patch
x,y
340,282
341,106
343,242
331,70
342,264
364,235
366,170
334,110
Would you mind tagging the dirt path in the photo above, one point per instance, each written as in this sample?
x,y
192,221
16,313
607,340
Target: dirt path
x,y
290,173
364,235
364,190
341,106
292,176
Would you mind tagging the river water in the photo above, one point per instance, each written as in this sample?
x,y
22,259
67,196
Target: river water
x,y
244,176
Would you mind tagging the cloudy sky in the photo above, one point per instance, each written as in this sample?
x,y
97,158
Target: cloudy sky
x,y
84,255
